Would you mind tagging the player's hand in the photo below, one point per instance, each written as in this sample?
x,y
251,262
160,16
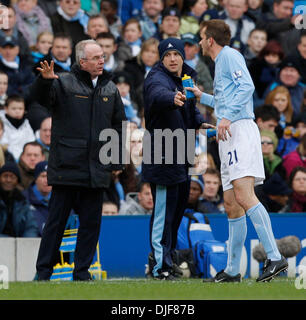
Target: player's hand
x,y
179,99
46,70
224,129
196,91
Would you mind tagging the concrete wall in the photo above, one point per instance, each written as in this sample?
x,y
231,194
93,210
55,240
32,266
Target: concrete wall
x,y
19,255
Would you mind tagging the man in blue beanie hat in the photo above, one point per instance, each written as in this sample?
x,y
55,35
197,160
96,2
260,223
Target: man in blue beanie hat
x,y
167,108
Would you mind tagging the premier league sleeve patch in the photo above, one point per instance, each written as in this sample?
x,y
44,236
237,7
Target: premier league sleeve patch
x,y
237,74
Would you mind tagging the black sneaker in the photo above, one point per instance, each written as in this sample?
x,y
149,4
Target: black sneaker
x,y
272,269
165,275
222,276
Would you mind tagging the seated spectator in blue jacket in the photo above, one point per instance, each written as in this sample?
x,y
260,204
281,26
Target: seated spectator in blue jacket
x,y
38,195
211,198
195,195
18,69
16,218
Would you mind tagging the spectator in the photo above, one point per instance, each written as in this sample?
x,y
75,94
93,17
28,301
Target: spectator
x,y
297,181
292,135
109,209
296,158
31,20
299,55
280,24
97,24
255,9
131,33
43,44
38,195
17,129
121,79
150,17
16,217
44,136
280,98
274,194
109,9
13,31
15,66
71,20
195,195
3,88
239,23
5,156
272,162
257,40
289,77
139,67
191,15
170,25
138,203
211,198
195,60
60,53
267,117
136,144
112,62
264,69
204,161
32,154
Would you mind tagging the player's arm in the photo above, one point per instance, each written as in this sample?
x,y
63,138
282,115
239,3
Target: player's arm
x,y
204,98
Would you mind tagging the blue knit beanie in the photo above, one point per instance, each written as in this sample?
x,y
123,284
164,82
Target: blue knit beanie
x,y
169,45
11,167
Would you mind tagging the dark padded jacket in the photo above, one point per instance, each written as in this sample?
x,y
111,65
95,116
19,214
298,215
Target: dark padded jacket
x,y
160,87
79,114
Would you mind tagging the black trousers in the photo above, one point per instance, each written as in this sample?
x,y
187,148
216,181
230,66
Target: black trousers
x,y
169,206
87,203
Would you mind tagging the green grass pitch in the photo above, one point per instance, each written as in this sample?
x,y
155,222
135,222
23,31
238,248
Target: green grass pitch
x,y
143,289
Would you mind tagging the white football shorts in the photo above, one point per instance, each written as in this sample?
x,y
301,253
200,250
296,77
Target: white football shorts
x,y
241,154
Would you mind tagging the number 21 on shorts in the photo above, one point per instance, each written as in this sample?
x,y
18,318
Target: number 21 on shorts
x,y
232,157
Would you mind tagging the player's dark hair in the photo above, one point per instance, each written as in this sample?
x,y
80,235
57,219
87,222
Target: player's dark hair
x,y
218,30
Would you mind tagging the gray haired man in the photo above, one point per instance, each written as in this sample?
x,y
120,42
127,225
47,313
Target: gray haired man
x,y
82,103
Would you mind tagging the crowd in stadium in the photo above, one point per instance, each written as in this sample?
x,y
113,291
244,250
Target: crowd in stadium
x,y
268,33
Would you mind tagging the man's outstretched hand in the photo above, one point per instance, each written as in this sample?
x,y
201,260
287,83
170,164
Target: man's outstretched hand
x,y
46,70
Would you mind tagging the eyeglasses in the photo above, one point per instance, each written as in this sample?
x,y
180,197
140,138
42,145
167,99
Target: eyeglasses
x,y
266,142
96,58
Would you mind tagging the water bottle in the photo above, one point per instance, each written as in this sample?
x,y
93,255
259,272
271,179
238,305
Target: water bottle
x,y
187,82
211,133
